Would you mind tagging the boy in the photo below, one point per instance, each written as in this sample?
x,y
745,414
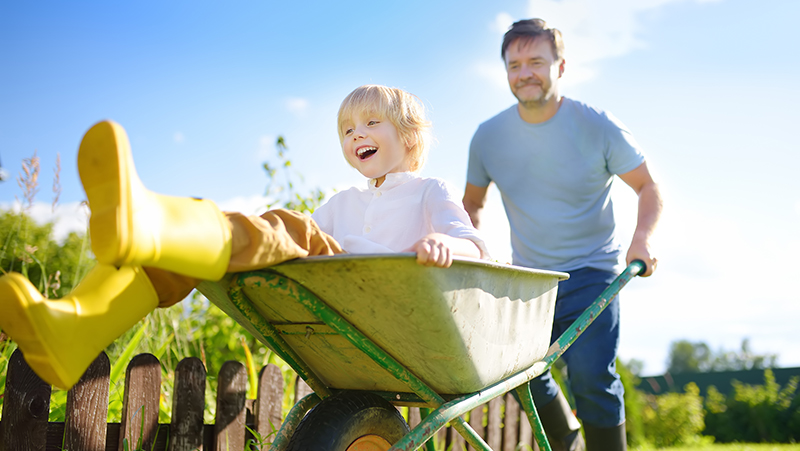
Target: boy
x,y
154,249
384,135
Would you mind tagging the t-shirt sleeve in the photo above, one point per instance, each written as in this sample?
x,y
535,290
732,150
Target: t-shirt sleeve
x,y
476,171
447,215
623,153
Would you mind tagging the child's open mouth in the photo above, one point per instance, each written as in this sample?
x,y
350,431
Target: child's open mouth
x,y
366,152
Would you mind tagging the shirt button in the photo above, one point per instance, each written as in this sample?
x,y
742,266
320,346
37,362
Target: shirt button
x,y
378,194
367,229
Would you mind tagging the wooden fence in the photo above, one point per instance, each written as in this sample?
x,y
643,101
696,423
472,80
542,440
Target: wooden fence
x,y
25,427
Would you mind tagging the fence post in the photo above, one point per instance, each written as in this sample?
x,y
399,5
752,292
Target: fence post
x,y
188,405
526,431
510,424
455,441
494,435
231,395
85,420
140,403
269,403
476,421
26,407
301,389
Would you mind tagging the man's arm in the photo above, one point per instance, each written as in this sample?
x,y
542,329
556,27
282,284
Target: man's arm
x,y
474,201
650,206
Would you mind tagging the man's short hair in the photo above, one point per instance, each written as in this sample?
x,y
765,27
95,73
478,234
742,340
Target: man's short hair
x,y
529,30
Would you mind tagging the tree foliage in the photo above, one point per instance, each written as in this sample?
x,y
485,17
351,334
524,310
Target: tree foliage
x,y
697,357
28,248
755,413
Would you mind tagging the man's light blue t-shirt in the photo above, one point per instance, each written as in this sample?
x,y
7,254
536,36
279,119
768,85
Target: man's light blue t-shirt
x,y
555,180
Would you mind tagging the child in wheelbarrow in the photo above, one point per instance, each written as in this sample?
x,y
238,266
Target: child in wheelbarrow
x,y
154,249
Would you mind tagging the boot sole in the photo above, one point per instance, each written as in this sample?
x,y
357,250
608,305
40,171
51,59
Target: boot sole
x,y
106,170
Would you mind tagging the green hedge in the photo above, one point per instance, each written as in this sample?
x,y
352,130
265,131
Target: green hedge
x,y
765,413
754,413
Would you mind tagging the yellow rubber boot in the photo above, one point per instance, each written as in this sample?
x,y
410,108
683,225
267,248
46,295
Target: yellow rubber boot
x,y
131,225
60,338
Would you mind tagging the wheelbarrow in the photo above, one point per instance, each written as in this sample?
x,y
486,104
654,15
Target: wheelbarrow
x,y
371,332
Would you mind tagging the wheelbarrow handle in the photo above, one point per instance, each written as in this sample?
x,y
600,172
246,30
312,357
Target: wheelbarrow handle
x,y
562,343
638,267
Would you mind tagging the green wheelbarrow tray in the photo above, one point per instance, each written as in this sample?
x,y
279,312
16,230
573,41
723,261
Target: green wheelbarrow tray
x,y
449,338
458,329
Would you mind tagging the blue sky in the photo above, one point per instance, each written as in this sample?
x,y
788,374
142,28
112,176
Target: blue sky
x,y
709,88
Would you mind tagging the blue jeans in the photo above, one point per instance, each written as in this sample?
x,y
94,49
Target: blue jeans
x,y
591,360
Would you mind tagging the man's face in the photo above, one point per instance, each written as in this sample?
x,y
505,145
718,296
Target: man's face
x,y
533,71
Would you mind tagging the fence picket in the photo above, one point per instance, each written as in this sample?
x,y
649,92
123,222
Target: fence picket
x,y
525,432
188,405
269,402
494,434
455,441
301,389
510,424
476,421
231,394
413,416
26,406
85,424
140,402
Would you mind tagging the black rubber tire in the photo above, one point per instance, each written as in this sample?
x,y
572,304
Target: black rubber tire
x,y
338,421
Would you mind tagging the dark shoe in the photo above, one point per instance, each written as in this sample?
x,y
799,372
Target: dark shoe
x,y
605,439
562,428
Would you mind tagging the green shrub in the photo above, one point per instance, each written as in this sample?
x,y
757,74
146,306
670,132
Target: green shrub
x,y
635,402
28,248
674,418
755,413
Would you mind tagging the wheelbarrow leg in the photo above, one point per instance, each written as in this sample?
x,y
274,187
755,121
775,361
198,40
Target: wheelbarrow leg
x,y
430,445
437,419
296,413
525,397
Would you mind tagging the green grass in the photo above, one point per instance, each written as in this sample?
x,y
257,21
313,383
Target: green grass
x,y
732,447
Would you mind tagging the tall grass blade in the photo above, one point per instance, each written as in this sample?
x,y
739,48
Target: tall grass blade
x,y
120,364
252,391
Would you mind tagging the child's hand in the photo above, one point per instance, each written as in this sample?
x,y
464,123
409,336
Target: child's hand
x,y
434,250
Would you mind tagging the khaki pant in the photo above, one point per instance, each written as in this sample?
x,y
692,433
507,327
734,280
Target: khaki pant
x,y
258,242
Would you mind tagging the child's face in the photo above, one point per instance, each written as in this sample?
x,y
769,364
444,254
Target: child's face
x,y
374,147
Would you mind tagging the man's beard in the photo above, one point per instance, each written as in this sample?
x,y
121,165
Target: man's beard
x,y
538,101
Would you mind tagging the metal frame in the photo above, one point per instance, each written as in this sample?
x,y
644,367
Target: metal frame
x,y
439,412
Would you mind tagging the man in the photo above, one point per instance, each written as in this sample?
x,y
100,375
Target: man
x,y
554,160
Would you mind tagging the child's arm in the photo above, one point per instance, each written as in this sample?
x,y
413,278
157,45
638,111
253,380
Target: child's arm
x,y
438,249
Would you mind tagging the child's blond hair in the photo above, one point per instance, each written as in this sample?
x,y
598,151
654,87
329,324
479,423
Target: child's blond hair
x,y
403,110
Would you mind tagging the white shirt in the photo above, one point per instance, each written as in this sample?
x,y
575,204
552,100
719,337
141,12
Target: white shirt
x,y
393,217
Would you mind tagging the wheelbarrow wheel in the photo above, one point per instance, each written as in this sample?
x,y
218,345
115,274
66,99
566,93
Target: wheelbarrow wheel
x,y
349,421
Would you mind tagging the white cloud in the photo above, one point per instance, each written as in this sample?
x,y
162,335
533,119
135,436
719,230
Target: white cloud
x,y
493,72
66,217
297,106
593,31
713,285
714,282
251,205
501,22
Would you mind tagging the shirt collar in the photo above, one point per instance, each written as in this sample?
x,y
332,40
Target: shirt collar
x,y
392,179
